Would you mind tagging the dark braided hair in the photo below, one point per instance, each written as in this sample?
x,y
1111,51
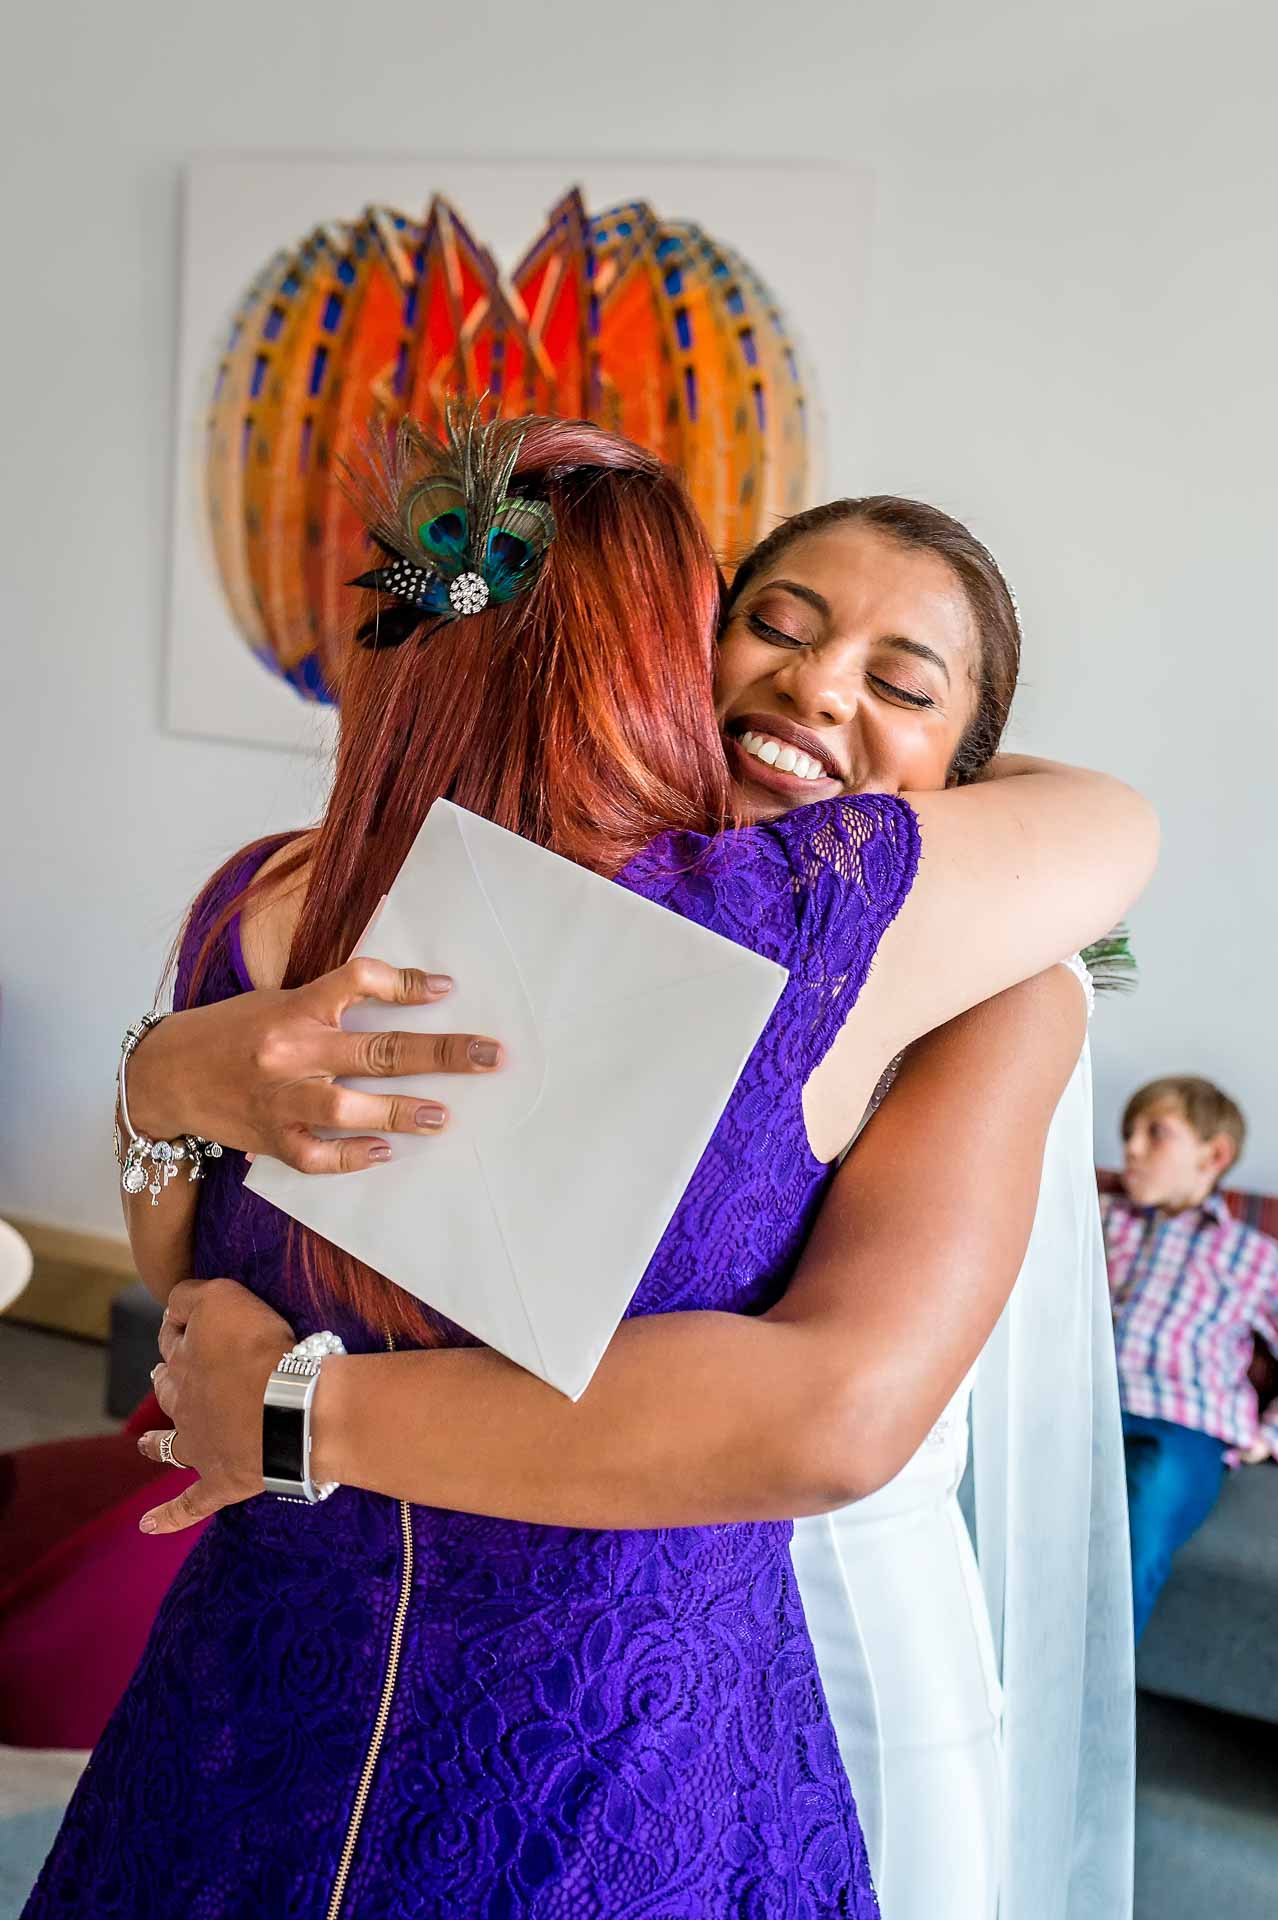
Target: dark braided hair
x,y
914,524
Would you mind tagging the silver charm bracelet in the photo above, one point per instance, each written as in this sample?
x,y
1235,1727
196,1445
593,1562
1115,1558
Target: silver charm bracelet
x,y
151,1164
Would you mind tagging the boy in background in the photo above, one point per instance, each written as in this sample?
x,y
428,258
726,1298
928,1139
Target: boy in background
x,y
1190,1287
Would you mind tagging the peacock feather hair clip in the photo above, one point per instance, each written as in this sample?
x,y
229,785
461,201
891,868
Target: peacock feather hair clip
x,y
454,539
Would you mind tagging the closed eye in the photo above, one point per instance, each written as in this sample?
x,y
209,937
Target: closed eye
x,y
890,688
777,637
774,635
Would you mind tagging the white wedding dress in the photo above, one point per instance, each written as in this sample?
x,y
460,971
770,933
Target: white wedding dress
x,y
903,1641
983,1697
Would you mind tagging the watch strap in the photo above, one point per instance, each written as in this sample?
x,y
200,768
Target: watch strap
x,y
286,1429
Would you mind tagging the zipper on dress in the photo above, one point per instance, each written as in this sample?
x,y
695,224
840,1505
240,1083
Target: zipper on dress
x,y
389,1679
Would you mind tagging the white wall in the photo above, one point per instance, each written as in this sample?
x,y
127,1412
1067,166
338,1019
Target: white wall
x,y
1068,340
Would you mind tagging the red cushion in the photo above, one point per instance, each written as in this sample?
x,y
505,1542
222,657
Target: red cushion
x,y
146,1417
48,1492
73,1631
79,1585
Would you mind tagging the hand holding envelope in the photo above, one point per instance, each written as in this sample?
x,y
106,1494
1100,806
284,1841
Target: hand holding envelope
x,y
531,1219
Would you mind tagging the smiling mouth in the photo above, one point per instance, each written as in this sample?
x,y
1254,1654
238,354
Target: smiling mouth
x,y
786,759
776,759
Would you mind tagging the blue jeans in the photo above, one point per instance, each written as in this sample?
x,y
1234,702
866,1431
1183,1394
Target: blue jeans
x,y
1173,1478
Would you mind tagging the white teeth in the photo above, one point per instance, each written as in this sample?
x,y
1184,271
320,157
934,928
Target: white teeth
x,y
786,759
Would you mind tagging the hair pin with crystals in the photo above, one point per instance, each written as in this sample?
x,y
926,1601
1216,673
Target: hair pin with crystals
x,y
454,539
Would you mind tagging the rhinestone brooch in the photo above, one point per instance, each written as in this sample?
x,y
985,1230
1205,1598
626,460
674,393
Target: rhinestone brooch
x,y
468,593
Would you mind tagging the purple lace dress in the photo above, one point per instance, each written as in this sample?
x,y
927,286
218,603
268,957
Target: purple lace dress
x,y
393,1712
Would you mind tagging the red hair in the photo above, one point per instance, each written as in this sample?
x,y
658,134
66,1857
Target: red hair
x,y
581,716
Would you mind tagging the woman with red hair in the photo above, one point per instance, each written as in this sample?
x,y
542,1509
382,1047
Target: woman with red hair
x,y
604,1698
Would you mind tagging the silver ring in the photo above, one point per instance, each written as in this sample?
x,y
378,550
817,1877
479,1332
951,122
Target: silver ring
x,y
167,1454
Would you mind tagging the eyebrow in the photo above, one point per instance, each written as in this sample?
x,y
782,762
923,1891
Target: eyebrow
x,y
808,595
919,651
819,603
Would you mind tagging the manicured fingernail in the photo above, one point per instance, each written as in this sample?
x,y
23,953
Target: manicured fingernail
x,y
484,1053
250,1157
379,1153
149,1524
429,1117
439,982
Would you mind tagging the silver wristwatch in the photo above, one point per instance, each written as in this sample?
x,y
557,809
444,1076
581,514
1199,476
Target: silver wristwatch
x,y
286,1421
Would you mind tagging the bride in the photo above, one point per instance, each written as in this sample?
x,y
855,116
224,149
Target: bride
x,y
983,1699
835,652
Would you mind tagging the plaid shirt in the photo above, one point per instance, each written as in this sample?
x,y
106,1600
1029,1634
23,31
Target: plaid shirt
x,y
1188,1291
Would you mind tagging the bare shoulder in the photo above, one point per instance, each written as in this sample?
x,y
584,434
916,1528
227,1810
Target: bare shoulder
x,y
1023,1042
270,917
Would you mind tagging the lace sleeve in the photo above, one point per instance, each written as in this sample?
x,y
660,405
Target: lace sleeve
x,y
815,890
854,862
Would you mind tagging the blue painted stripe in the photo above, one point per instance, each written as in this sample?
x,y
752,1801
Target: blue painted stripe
x,y
690,391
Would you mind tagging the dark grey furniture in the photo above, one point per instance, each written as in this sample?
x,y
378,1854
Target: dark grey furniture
x,y
1213,1638
131,1349
1207,1752
1206,1814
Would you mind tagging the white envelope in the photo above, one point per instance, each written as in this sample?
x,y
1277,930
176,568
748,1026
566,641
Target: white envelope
x,y
531,1219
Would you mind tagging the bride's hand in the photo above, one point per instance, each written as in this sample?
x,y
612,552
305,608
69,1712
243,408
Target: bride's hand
x,y
258,1071
220,1344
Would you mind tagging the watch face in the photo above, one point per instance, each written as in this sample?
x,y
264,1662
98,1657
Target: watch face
x,y
282,1443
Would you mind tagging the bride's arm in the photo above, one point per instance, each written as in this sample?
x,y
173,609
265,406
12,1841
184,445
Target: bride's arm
x,y
1017,870
1035,861
696,1418
704,1417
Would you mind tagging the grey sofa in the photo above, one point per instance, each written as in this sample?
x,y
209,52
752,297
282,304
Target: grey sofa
x,y
1207,1750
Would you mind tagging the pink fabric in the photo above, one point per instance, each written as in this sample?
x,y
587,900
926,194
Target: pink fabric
x,y
73,1626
